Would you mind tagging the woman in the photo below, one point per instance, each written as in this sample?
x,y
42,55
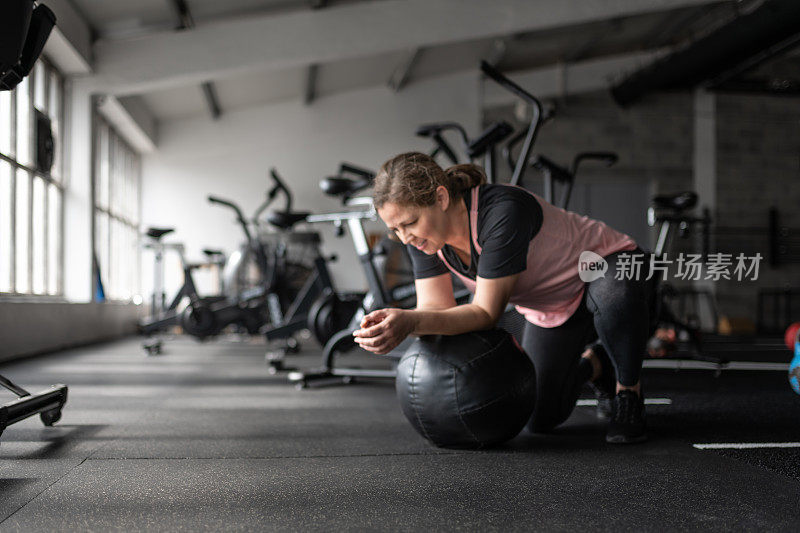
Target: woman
x,y
509,245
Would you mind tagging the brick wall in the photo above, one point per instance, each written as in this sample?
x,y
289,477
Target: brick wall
x,y
758,166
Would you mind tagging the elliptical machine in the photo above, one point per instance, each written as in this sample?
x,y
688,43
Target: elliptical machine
x,y
163,316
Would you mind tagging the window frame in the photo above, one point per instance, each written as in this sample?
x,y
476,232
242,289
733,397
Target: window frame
x,y
111,209
52,179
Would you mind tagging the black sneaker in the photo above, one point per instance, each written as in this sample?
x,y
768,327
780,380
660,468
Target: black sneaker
x,y
628,423
605,386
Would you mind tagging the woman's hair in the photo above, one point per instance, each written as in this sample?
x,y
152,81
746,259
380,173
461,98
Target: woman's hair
x,y
413,177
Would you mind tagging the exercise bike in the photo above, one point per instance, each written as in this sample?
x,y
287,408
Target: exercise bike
x,y
483,146
315,305
249,308
377,297
163,316
670,212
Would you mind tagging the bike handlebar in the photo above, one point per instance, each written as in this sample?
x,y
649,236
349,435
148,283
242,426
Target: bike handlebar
x,y
607,158
486,141
239,215
434,131
349,168
226,203
429,130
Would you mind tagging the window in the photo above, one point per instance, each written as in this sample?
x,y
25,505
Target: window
x,y
117,170
31,194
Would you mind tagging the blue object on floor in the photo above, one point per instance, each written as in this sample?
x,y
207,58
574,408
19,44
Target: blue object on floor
x,y
794,368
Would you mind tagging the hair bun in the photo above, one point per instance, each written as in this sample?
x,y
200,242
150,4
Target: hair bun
x,y
466,176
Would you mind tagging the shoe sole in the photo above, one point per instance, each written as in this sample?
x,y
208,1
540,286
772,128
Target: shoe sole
x,y
621,439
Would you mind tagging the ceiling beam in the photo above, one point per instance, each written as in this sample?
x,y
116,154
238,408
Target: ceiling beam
x,y
593,39
498,52
291,40
771,86
402,72
310,93
132,120
70,43
665,32
209,91
769,29
565,79
778,49
312,71
212,100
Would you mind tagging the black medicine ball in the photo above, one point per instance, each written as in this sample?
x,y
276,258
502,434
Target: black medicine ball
x,y
473,390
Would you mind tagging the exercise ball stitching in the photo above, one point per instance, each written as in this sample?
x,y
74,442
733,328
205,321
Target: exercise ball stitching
x,y
501,397
492,349
486,342
458,409
414,403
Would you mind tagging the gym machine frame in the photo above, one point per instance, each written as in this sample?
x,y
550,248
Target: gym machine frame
x,y
25,32
669,211
47,404
377,298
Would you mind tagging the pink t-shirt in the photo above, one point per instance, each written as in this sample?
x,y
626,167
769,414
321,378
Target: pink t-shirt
x,y
549,290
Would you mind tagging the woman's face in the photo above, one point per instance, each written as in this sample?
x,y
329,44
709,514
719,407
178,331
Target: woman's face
x,y
423,227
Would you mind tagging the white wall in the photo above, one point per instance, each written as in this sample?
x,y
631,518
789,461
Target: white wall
x,y
31,327
231,157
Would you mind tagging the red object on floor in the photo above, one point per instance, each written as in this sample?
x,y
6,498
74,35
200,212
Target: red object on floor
x,y
790,336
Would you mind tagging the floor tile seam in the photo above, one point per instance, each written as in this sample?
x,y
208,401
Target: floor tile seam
x,y
65,474
739,460
743,460
276,457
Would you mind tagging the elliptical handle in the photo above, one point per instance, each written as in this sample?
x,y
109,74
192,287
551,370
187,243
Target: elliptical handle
x,y
509,85
522,162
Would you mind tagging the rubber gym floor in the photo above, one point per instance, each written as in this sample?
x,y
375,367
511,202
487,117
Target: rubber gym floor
x,y
203,438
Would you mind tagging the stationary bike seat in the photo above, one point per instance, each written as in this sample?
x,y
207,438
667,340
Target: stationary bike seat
x,y
336,186
679,201
286,219
157,233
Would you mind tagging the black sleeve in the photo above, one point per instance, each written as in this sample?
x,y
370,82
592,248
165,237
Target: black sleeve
x,y
505,233
425,266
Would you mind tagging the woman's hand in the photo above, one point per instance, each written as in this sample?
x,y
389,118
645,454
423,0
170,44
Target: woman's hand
x,y
382,330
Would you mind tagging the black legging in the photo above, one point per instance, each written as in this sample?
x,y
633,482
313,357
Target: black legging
x,y
616,311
